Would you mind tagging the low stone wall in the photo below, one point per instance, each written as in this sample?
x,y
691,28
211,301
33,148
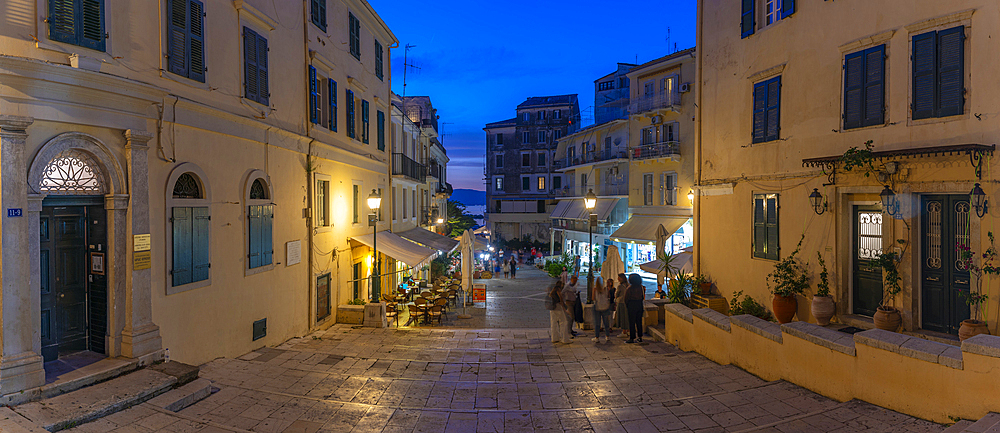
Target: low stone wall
x,y
918,377
351,314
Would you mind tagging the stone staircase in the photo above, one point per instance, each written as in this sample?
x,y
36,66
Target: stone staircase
x,y
987,424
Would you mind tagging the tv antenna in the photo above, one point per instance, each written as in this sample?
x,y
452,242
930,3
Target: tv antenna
x,y
442,131
407,65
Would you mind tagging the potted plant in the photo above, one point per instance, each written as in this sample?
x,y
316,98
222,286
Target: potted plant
x,y
887,317
975,300
822,306
668,265
787,280
704,284
679,289
748,305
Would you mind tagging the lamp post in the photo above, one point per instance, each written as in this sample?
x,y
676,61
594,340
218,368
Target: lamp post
x,y
374,202
590,200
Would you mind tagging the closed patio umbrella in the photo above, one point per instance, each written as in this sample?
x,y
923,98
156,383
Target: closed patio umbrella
x,y
613,265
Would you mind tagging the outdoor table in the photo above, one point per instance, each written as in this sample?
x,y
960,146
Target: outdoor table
x,y
426,309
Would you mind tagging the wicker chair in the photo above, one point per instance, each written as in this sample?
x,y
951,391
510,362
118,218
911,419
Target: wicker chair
x,y
436,312
392,311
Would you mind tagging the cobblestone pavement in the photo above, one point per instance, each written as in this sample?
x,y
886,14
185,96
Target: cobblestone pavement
x,y
438,379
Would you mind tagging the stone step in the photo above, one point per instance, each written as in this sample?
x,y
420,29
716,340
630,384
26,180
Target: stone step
x,y
988,423
184,396
93,402
958,427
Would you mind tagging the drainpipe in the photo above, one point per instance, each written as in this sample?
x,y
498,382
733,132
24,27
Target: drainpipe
x,y
697,139
310,288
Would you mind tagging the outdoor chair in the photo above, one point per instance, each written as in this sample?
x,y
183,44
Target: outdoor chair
x,y
443,303
392,311
435,312
420,307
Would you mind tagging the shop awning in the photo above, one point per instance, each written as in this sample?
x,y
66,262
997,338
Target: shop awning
x,y
430,239
642,228
575,209
398,248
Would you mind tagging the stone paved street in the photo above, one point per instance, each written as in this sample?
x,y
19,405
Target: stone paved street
x,y
440,379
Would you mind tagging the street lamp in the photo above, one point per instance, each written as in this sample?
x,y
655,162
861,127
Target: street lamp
x,y
590,200
817,202
979,202
374,201
889,202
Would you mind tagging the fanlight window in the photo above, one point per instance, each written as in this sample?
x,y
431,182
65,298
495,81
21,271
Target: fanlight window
x,y
187,187
72,172
258,191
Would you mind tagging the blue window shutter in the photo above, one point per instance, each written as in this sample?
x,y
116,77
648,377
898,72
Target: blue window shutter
x,y
267,248
181,220
91,27
265,94
177,30
349,95
854,89
874,106
951,71
196,41
380,118
364,121
759,111
62,21
199,248
924,62
250,81
747,22
773,109
313,96
787,8
333,105
254,236
771,224
759,229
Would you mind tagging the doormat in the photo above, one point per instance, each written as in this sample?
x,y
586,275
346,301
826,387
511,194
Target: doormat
x,y
850,330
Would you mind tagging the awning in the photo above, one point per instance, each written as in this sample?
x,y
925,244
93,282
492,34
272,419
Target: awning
x,y
684,260
575,209
398,248
430,239
642,228
969,149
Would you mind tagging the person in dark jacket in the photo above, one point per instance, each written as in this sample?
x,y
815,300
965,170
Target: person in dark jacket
x,y
634,296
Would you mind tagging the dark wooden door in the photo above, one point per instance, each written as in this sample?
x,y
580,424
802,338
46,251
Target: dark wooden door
x,y
944,226
867,287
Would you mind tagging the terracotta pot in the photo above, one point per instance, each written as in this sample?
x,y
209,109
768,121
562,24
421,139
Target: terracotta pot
x,y
823,308
971,328
706,288
477,274
784,308
887,318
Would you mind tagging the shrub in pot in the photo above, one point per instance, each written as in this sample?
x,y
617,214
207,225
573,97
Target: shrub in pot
x,y
748,305
679,289
823,307
703,284
975,299
787,280
887,317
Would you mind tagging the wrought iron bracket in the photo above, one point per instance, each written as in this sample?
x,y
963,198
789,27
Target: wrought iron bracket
x,y
830,170
976,158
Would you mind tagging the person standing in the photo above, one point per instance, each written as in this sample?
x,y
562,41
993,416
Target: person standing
x,y
557,314
634,296
621,310
602,310
513,268
569,296
506,269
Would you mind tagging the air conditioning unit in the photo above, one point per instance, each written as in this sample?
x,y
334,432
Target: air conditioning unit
x,y
657,120
685,87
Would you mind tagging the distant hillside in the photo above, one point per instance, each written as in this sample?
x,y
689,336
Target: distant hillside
x,y
469,197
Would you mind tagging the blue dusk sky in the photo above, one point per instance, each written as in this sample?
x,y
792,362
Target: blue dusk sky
x,y
479,60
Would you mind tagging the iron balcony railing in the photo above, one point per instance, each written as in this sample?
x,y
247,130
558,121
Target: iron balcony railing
x,y
655,150
604,189
653,102
403,165
590,157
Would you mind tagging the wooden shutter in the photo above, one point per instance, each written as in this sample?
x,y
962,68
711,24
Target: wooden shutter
x,y
364,121
313,96
318,12
254,232
759,112
196,41
267,246
380,118
874,105
349,95
177,38
333,105
773,109
181,220
265,95
62,21
924,74
771,224
250,80
787,8
950,71
92,24
854,89
747,22
199,240
759,227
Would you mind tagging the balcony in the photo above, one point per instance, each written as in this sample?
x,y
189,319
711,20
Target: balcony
x,y
402,165
590,157
605,189
668,101
434,170
666,149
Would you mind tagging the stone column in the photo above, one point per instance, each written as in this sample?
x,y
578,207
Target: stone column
x,y
20,363
140,336
33,214
119,261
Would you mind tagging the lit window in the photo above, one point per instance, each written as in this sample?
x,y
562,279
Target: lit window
x,y
541,184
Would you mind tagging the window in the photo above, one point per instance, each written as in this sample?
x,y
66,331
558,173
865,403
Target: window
x,y
526,117
498,160
647,135
541,159
525,137
668,89
78,22
607,146
558,134
364,121
605,85
939,73
540,207
260,216
541,183
332,91
670,132
356,203
647,189
405,215
500,139
496,205
583,181
322,202
541,136
774,11
354,32
186,44
498,183
413,201
556,182
525,160
349,96
317,13
379,54
190,226
541,115
255,67
556,114
766,110
864,88
668,189
395,208
649,89
380,124
525,183
765,226
623,82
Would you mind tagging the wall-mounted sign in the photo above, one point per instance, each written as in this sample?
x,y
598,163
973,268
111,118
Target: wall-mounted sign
x,y
293,253
141,242
141,260
97,263
14,212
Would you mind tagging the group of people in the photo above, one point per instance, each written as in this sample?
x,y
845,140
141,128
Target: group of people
x,y
509,268
621,304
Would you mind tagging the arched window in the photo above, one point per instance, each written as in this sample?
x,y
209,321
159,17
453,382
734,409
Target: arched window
x,y
187,186
260,218
72,172
189,216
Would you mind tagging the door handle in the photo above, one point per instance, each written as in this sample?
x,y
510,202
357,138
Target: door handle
x,y
961,281
933,279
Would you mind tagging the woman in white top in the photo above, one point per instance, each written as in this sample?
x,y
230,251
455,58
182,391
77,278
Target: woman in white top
x,y
602,311
506,269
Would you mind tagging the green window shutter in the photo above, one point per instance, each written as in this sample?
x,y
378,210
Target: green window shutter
x,y
747,22
196,41
759,112
364,121
380,118
265,94
177,30
313,96
318,13
874,105
250,80
181,221
254,234
200,245
924,63
951,71
333,105
771,224
759,228
62,21
378,60
854,89
267,247
92,24
773,109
